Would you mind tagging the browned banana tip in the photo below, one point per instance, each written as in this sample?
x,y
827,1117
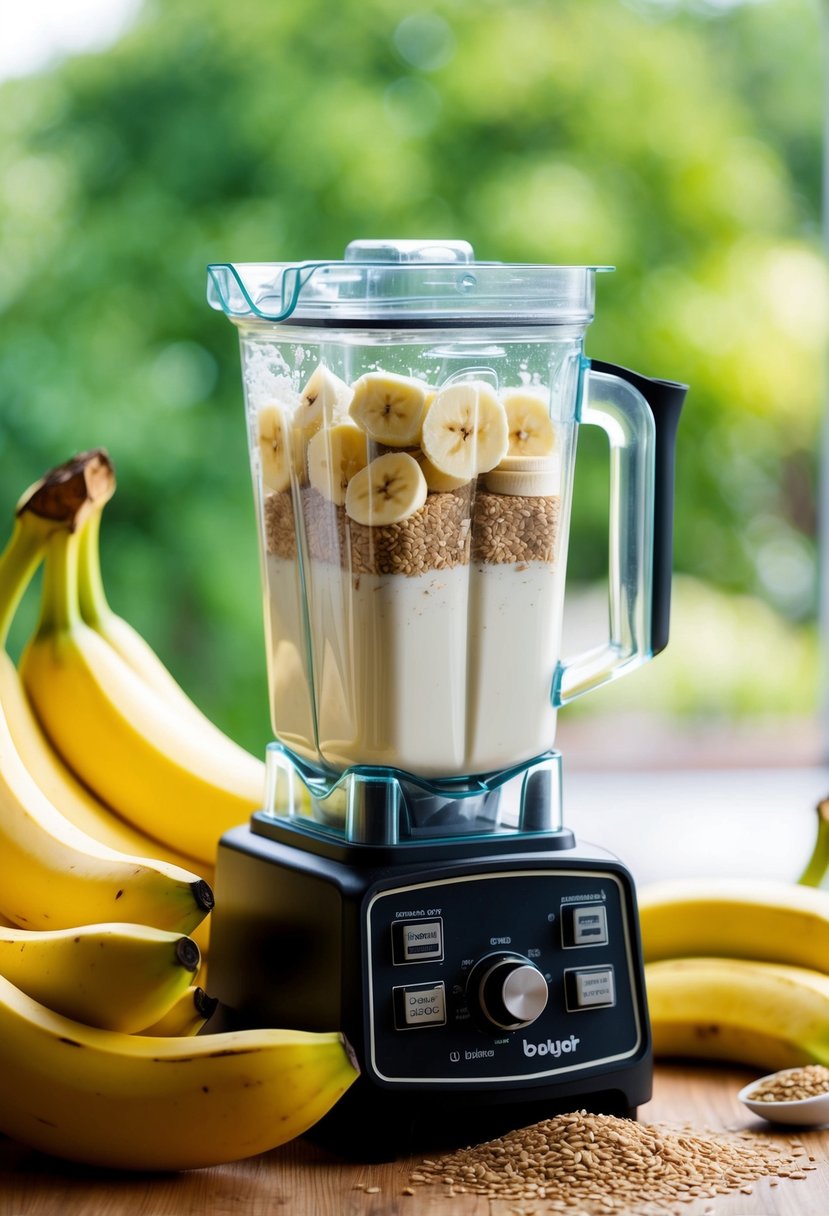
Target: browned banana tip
x,y
65,494
823,808
205,1005
188,954
203,894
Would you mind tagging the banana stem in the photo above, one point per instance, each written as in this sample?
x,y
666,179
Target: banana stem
x,y
46,517
815,874
91,594
49,517
18,562
59,610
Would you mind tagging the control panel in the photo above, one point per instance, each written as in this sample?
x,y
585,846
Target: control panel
x,y
500,976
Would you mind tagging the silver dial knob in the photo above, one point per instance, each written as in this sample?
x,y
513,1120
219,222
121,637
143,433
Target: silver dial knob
x,y
524,993
509,991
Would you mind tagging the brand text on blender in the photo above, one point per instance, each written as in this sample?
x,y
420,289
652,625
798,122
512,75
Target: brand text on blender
x,y
553,1047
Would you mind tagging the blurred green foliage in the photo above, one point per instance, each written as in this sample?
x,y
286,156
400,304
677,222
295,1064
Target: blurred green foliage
x,y
680,143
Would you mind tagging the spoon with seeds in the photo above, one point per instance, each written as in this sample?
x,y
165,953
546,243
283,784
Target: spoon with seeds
x,y
799,1096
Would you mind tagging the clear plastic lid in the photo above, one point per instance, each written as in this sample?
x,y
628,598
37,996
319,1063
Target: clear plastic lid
x,y
404,283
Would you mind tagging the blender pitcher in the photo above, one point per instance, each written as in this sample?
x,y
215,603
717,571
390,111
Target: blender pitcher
x,y
412,416
409,881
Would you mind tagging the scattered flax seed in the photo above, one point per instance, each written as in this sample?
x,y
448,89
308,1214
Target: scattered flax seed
x,y
372,1190
632,1165
792,1084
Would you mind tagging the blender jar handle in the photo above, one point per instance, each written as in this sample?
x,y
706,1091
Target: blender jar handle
x,y
624,415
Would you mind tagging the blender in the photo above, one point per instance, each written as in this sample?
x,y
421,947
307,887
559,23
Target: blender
x,y
412,415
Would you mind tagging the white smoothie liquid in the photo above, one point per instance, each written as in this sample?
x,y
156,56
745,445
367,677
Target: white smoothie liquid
x,y
446,673
292,710
515,617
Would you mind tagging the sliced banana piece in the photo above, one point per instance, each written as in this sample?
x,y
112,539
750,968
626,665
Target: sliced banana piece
x,y
274,434
530,464
389,408
386,491
335,454
465,431
522,484
324,399
531,430
299,451
437,482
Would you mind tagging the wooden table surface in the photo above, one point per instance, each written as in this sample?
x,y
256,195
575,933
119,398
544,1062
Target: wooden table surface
x,y
302,1180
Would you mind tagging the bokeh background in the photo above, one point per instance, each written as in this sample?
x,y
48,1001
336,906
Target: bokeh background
x,y
677,140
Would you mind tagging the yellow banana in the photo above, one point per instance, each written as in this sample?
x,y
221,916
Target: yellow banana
x,y
140,656
143,1103
118,976
771,921
78,804
187,1016
765,1015
53,875
117,735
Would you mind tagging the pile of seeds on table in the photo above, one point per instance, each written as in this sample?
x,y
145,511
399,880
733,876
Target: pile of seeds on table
x,y
600,1164
792,1084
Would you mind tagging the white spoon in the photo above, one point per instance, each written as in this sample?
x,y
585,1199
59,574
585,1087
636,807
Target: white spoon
x,y
805,1112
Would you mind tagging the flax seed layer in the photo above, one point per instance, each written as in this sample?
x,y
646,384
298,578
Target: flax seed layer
x,y
450,529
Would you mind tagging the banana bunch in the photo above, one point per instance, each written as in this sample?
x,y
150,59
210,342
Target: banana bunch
x,y
112,713
113,792
53,872
380,446
737,970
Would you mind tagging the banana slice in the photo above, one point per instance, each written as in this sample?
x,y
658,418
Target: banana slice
x,y
324,399
522,484
530,464
387,491
437,482
335,454
274,446
465,431
389,408
299,451
531,430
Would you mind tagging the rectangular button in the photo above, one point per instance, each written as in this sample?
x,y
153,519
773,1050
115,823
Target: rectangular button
x,y
590,988
590,925
419,1005
418,941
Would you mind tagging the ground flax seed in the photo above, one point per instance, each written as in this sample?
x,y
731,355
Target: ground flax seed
x,y
598,1165
450,529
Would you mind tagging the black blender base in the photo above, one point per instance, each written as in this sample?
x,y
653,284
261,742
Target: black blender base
x,y
386,945
369,1126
